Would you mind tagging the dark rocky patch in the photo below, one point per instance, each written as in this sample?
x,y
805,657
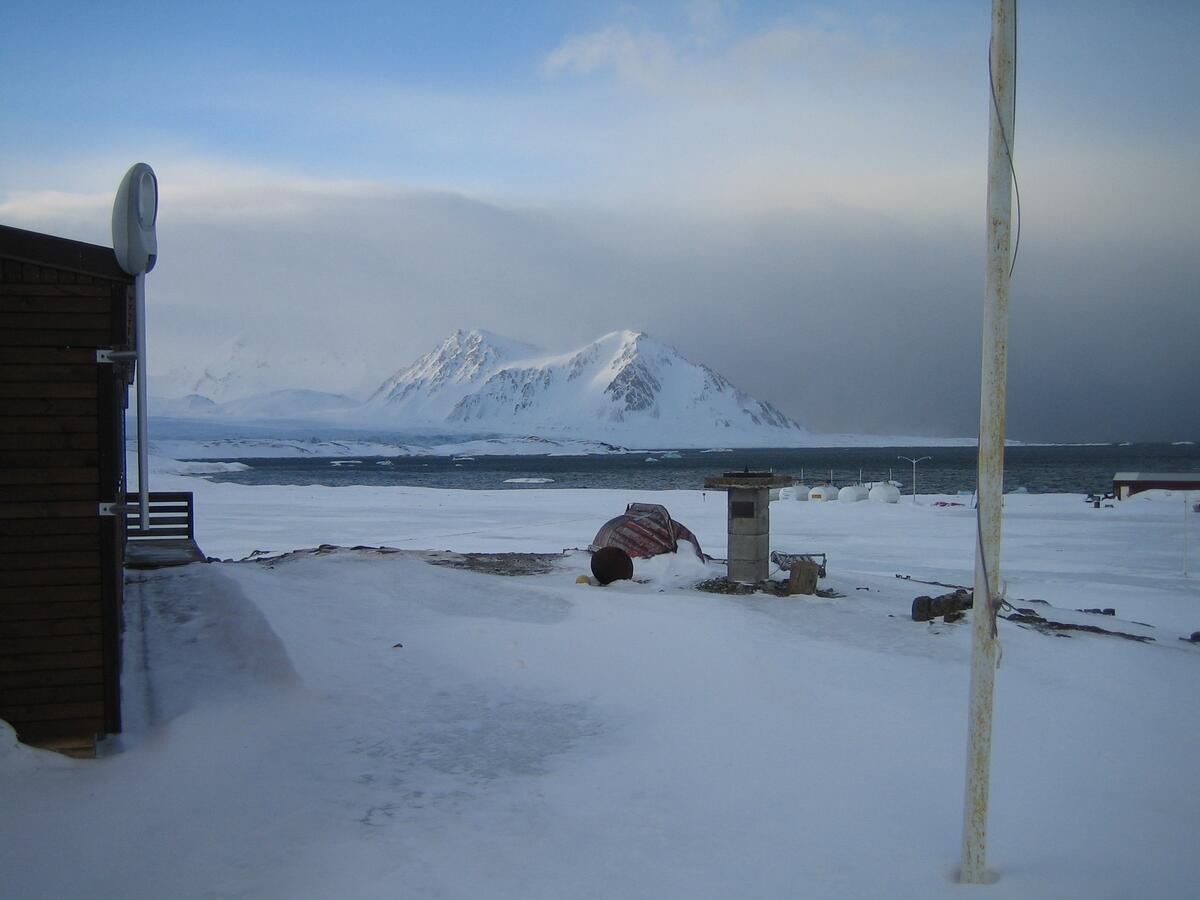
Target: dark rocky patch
x,y
498,563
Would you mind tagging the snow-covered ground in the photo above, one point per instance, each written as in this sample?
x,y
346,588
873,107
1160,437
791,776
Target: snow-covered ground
x,y
355,723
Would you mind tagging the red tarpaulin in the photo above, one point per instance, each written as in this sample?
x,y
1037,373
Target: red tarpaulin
x,y
645,530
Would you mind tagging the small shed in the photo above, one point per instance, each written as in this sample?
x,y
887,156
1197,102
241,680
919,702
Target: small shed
x,y
64,306
1126,484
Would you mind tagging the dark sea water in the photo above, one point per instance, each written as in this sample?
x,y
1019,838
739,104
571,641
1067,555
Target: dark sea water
x,y
1059,469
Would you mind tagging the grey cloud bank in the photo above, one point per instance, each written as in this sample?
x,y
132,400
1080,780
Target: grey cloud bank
x,y
793,195
847,321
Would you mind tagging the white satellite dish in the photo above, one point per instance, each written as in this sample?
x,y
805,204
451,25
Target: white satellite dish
x,y
135,212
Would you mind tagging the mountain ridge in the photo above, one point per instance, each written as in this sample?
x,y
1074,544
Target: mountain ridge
x,y
623,381
626,387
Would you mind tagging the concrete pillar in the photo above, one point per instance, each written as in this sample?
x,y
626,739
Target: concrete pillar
x,y
749,534
749,519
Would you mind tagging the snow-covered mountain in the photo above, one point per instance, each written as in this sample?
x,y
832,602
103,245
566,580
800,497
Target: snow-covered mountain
x,y
626,387
296,403
241,368
428,391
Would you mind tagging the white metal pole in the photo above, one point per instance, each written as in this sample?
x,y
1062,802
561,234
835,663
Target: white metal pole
x,y
1186,505
143,414
1002,68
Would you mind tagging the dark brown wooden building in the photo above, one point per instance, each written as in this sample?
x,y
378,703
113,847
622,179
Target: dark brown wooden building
x,y
1126,484
63,306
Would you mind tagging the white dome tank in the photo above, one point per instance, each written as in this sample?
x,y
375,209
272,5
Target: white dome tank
x,y
823,492
852,493
884,492
800,491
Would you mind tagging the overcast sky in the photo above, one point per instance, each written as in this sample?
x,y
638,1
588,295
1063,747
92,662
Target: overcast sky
x,y
792,193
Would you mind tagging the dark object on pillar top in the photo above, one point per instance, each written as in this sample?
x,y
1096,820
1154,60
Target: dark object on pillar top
x,y
611,564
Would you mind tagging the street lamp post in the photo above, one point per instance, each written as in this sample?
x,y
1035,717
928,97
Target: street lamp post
x,y
914,465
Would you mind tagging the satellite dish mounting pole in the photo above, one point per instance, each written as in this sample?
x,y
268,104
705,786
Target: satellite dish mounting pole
x,y
143,414
1002,104
135,245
